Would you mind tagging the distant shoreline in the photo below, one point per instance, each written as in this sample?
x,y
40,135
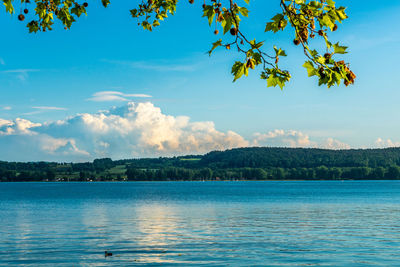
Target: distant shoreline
x,y
242,164
197,181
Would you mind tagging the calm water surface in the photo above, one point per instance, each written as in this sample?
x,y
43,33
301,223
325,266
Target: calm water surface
x,y
329,223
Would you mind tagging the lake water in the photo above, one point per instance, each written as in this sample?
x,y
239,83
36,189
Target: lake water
x,y
329,223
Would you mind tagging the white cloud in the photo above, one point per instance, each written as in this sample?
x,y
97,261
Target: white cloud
x,y
7,108
293,138
115,96
41,109
386,143
2,62
49,108
331,143
282,138
21,74
133,130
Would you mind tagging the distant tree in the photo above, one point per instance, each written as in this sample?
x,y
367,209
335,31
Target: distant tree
x,y
279,174
83,176
50,175
322,172
377,173
308,20
393,172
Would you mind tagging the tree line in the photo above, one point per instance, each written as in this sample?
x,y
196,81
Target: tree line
x,y
257,163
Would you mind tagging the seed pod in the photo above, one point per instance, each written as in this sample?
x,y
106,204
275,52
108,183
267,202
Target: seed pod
x,y
21,17
296,41
85,4
233,31
26,11
191,1
327,56
216,32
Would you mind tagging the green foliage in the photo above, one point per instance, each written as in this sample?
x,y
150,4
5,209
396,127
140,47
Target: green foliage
x,y
307,19
256,163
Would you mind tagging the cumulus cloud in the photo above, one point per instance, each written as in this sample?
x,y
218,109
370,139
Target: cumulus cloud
x,y
386,143
282,138
133,130
114,96
331,143
293,138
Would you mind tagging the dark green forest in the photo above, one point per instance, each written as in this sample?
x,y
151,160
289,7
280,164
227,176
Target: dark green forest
x,y
255,163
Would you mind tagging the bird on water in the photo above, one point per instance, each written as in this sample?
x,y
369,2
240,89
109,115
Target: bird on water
x,y
107,254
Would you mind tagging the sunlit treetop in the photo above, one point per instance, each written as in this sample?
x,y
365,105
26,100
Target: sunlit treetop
x,y
307,20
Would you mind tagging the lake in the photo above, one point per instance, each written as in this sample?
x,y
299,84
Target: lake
x,y
272,223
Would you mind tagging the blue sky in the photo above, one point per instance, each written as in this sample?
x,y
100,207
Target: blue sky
x,y
55,76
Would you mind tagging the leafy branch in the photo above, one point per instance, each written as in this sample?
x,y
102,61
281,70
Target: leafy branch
x,y
301,15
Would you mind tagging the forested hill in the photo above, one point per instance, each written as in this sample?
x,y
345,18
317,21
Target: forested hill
x,y
262,157
255,163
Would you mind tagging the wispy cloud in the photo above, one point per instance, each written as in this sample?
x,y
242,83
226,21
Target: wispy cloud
x,y
115,96
2,62
41,109
21,74
7,108
155,66
49,108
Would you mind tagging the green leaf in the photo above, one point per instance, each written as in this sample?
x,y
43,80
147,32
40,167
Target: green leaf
x,y
238,69
340,12
156,23
209,12
279,52
320,59
339,49
327,21
226,23
215,45
310,68
9,6
244,11
278,23
255,45
105,2
272,81
330,3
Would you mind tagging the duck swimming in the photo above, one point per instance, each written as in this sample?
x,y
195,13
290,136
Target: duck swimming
x,y
107,254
